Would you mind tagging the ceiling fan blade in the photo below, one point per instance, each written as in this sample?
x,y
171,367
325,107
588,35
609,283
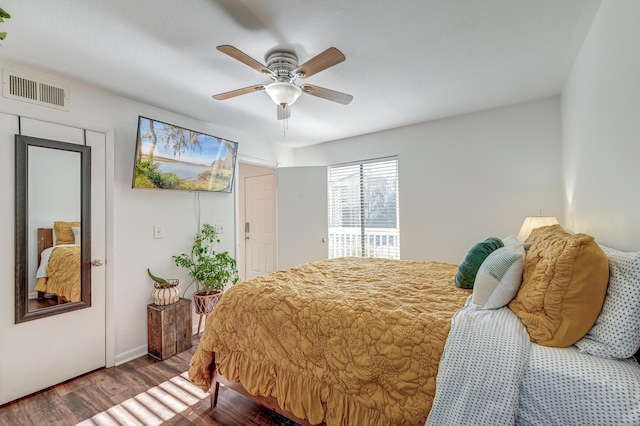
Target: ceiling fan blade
x,y
238,92
284,111
332,95
249,16
244,58
324,60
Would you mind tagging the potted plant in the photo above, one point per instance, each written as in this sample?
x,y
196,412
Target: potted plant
x,y
210,270
3,15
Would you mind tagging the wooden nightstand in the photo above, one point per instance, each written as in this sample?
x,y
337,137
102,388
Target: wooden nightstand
x,y
169,328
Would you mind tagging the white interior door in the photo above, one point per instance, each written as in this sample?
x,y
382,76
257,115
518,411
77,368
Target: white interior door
x,y
46,351
302,215
260,225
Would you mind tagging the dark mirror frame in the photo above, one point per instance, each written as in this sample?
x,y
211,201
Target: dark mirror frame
x,y
22,144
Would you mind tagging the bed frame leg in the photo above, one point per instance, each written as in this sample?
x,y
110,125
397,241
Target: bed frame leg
x,y
214,394
215,386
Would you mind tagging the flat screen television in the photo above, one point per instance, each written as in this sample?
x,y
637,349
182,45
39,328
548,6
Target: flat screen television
x,y
172,157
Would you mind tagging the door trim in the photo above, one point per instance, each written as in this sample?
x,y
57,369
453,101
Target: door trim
x,y
110,293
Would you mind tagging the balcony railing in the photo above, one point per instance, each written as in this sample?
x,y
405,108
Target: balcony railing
x,y
379,242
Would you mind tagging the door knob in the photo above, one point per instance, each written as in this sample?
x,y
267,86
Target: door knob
x,y
97,262
324,240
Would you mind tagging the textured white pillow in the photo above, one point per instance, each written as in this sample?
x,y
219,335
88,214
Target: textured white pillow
x,y
499,277
511,241
616,333
76,234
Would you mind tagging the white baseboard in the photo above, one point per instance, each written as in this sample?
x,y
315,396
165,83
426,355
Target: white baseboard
x,y
131,354
143,350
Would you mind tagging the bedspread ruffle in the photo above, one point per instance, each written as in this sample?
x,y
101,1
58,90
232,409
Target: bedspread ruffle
x,y
295,393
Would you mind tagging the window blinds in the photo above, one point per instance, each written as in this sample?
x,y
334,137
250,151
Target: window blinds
x,y
363,209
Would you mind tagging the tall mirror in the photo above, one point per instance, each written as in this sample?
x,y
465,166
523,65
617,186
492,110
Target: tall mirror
x,y
53,227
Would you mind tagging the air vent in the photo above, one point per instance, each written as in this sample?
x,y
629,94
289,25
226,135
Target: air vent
x,y
27,89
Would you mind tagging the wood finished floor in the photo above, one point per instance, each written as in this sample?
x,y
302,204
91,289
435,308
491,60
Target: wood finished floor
x,y
45,302
79,399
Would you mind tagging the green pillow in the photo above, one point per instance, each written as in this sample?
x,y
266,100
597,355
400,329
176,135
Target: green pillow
x,y
469,267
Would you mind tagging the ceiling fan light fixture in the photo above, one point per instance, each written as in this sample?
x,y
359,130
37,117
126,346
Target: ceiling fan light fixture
x,y
283,93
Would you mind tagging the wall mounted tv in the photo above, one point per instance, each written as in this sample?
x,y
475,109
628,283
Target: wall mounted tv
x,y
171,157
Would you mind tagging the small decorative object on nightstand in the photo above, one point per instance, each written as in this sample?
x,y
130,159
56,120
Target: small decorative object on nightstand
x,y
169,328
165,291
166,294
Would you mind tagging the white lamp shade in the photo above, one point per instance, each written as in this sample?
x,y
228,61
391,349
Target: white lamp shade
x,y
533,222
283,93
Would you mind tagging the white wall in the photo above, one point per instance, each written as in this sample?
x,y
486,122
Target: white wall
x,y
131,212
600,116
465,178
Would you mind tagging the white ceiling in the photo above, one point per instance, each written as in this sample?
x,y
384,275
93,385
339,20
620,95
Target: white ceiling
x,y
408,61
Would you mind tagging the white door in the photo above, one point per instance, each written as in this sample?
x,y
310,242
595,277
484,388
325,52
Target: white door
x,y
46,351
302,215
260,225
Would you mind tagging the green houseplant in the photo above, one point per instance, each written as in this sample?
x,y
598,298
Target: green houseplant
x,y
211,270
3,15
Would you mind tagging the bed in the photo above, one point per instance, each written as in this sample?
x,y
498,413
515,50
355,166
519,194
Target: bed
x,y
58,271
382,342
335,337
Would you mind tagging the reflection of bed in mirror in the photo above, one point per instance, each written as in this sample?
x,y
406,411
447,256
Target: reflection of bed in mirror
x,y
58,274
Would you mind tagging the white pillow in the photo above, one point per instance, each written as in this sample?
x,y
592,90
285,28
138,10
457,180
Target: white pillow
x,y
76,234
616,333
499,277
511,241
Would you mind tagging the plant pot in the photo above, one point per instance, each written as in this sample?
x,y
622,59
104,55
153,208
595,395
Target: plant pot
x,y
205,302
166,295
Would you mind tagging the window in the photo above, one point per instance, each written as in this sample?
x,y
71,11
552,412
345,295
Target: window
x,y
363,209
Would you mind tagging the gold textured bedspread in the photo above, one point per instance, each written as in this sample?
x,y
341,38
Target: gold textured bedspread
x,y
342,341
63,273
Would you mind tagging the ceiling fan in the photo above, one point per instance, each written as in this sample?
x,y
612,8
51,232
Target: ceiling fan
x,y
282,67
